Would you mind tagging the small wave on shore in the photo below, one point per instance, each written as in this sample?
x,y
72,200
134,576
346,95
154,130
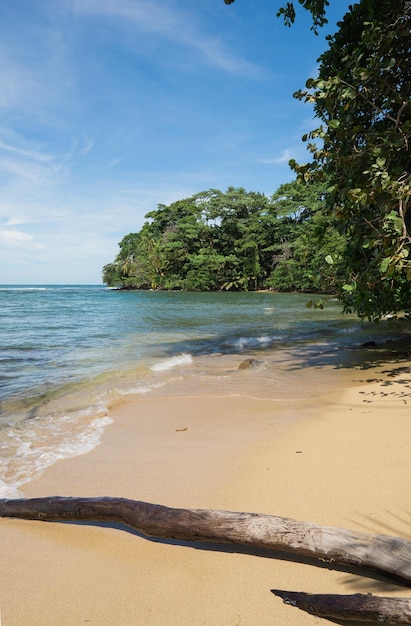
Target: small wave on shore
x,y
28,448
68,421
174,361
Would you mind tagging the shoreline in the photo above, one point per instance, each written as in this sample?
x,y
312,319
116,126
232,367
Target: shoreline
x,y
340,460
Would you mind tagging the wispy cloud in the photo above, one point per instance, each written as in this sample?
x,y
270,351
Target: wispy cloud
x,y
18,242
173,24
35,64
23,159
15,221
284,157
34,155
87,146
14,237
22,169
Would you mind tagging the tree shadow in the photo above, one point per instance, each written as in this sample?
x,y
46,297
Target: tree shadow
x,y
357,356
324,346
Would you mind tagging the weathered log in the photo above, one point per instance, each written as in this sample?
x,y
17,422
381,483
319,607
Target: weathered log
x,y
385,554
358,607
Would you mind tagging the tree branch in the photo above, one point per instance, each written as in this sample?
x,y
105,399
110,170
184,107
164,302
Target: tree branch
x,y
389,555
358,607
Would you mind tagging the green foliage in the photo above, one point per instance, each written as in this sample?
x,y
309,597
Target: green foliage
x,y
110,275
362,98
237,240
303,261
315,7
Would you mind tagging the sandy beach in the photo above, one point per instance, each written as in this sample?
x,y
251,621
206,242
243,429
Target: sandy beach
x,y
342,460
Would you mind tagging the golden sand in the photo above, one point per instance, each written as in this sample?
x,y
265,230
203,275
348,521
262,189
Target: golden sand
x,y
343,460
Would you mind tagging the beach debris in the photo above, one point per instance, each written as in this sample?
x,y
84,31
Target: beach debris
x,y
358,607
335,546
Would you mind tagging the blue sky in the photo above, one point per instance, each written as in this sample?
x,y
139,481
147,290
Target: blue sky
x,y
110,107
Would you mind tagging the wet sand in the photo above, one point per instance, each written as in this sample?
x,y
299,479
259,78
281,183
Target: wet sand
x,y
341,460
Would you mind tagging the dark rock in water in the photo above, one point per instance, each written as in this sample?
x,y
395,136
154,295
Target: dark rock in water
x,y
369,344
248,363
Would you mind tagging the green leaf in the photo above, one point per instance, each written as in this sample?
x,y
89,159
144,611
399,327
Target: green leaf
x,y
387,64
334,124
329,259
390,271
385,264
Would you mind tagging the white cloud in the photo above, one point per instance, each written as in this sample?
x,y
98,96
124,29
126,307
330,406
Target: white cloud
x,y
15,221
14,237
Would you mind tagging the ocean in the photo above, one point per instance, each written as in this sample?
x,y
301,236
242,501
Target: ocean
x,y
68,353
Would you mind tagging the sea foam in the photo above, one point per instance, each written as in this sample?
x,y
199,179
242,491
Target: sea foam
x,y
34,446
242,343
174,361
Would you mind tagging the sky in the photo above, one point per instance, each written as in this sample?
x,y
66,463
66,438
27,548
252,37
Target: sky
x,y
111,107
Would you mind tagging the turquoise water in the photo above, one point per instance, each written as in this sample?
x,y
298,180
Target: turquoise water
x,y
67,353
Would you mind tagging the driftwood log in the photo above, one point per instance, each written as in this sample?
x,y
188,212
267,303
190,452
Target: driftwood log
x,y
385,554
358,607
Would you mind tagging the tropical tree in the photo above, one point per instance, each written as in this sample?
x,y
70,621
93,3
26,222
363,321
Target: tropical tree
x,y
110,275
308,237
237,240
362,98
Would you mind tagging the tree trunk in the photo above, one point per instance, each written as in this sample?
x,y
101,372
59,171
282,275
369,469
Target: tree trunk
x,y
388,555
358,607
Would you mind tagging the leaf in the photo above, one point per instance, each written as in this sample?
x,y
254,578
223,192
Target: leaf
x,y
349,94
329,259
385,264
334,124
387,64
390,271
